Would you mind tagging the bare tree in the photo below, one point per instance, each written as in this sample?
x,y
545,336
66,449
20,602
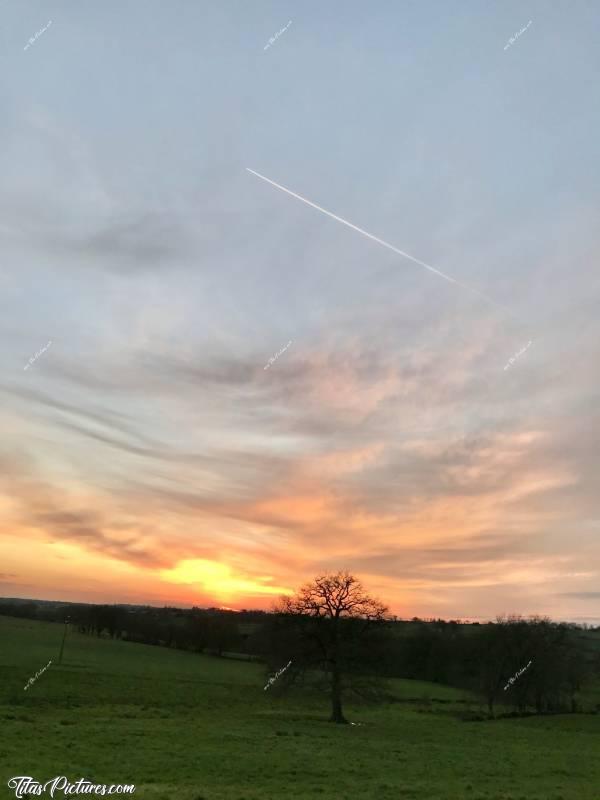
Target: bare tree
x,y
336,618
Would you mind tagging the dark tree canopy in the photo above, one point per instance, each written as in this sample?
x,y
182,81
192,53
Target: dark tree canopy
x,y
335,595
336,619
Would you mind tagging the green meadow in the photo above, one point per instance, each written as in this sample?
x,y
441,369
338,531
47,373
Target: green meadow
x,y
192,727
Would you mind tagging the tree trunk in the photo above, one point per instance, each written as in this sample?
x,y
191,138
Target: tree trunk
x,y
336,697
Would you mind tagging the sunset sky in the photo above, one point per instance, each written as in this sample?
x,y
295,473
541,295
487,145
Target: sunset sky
x,y
147,455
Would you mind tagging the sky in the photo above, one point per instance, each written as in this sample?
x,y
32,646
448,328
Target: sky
x,y
212,391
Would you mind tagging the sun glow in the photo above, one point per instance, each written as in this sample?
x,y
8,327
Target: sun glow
x,y
217,579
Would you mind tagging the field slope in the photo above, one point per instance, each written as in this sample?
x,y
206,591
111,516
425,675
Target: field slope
x,y
188,727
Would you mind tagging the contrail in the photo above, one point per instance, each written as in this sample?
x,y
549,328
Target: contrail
x,y
380,241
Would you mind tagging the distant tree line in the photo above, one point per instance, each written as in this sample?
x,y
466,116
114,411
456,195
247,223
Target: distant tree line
x,y
209,630
482,658
479,657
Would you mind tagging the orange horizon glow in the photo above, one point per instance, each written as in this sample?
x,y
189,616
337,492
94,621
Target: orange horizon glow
x,y
218,580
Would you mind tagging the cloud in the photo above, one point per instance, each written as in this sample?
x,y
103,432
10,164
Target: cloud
x,y
110,419
129,244
145,241
339,481
38,508
87,529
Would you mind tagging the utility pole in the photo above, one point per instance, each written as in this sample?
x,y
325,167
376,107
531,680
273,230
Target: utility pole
x,y
62,646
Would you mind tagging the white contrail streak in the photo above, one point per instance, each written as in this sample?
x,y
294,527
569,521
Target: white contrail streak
x,y
380,241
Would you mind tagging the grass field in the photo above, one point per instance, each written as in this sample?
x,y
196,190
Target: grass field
x,y
179,725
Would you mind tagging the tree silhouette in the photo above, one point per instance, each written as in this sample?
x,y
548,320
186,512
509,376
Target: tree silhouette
x,y
336,620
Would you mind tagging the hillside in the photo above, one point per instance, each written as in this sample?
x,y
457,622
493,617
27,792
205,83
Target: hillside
x,y
194,727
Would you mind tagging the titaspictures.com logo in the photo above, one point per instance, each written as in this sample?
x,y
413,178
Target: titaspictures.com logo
x,y
26,785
